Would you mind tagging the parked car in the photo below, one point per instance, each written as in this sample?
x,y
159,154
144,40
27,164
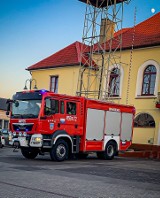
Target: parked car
x,y
2,140
5,134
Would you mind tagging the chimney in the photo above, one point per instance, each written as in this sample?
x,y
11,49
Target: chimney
x,y
106,30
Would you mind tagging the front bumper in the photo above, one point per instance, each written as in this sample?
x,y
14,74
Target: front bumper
x,y
35,140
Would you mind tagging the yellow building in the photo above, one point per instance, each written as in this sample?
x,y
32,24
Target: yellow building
x,y
138,83
4,120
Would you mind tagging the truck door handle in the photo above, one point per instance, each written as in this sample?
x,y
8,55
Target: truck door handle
x,y
58,124
43,117
76,126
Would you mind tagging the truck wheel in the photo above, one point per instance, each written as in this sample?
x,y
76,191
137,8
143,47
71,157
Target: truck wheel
x,y
110,151
28,153
59,151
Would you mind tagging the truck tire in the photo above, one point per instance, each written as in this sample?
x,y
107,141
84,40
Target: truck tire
x,y
110,150
59,151
29,153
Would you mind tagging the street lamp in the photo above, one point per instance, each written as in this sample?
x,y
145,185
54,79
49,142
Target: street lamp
x,y
30,84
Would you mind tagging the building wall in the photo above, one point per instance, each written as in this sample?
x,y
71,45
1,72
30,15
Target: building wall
x,y
68,79
143,104
4,120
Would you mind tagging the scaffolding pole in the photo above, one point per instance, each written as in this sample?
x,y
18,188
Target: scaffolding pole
x,y
102,45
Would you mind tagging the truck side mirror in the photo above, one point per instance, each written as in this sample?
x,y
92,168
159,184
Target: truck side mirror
x,y
16,103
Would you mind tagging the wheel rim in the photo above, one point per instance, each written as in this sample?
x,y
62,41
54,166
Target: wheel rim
x,y
61,151
110,150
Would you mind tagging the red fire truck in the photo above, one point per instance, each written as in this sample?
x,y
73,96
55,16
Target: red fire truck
x,y
42,121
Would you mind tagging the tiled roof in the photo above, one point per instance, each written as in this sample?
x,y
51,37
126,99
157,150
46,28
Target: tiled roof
x,y
3,105
121,31
146,33
68,56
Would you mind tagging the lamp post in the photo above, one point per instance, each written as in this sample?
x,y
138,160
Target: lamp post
x,y
30,84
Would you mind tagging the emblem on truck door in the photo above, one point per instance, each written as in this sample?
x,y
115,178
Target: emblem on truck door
x,y
51,126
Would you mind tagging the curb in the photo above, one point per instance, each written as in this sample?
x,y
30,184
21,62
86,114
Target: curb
x,y
141,154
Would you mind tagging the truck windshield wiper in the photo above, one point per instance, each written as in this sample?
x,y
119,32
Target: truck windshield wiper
x,y
29,115
17,115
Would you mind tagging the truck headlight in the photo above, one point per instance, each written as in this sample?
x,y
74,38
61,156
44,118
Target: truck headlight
x,y
20,134
14,133
10,136
37,139
24,134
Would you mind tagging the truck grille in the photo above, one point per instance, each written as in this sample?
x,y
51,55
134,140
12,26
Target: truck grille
x,y
22,127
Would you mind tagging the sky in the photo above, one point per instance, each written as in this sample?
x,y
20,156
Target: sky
x,y
31,30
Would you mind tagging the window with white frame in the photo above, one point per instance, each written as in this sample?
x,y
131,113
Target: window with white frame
x,y
54,84
144,120
147,79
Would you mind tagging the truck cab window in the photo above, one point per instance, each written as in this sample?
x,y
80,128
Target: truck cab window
x,y
56,105
51,106
71,108
47,110
62,107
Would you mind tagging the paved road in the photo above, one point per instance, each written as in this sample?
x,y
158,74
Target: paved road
x,y
90,178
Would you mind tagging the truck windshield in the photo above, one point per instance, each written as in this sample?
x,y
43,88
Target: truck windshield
x,y
26,108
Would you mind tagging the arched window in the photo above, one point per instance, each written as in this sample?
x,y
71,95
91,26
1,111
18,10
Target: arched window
x,y
114,82
141,82
144,120
149,79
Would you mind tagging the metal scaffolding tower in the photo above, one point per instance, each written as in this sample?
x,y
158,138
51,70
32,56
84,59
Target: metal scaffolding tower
x,y
102,42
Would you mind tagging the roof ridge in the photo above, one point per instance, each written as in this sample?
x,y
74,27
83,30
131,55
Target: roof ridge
x,y
54,54
61,50
78,50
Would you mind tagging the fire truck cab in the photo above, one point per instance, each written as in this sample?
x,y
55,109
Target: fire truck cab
x,y
42,121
